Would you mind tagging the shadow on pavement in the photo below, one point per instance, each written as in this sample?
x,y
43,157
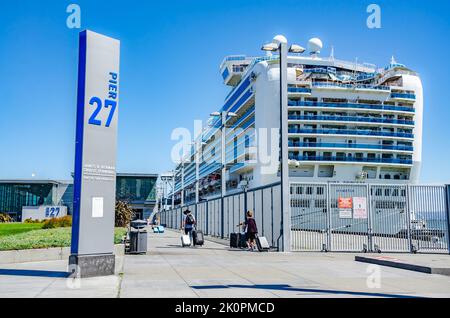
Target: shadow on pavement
x,y
33,273
304,290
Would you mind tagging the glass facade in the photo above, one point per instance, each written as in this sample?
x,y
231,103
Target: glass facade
x,y
14,196
135,189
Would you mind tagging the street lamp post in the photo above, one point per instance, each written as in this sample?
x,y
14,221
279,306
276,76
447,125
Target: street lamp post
x,y
280,44
173,189
182,182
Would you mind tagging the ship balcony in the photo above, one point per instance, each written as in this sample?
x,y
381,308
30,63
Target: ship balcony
x,y
294,144
358,119
403,96
232,74
360,87
350,132
299,91
293,103
395,161
242,167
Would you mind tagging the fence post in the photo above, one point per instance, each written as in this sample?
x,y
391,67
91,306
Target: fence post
x,y
447,207
262,212
328,217
196,218
408,218
245,202
207,217
271,217
369,219
222,218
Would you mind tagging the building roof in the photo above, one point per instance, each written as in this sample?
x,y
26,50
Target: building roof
x,y
50,181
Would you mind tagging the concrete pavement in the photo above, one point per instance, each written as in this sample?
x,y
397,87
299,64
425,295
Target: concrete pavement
x,y
216,271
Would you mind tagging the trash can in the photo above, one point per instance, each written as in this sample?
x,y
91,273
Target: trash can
x,y
138,237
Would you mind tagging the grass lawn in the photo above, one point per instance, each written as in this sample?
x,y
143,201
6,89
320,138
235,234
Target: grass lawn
x,y
7,229
35,239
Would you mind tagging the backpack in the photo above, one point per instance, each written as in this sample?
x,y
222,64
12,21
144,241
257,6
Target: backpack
x,y
190,219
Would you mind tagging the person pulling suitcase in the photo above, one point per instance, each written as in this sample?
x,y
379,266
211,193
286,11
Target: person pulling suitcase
x,y
188,225
251,231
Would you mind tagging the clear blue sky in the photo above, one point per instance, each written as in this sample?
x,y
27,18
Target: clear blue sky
x,y
171,51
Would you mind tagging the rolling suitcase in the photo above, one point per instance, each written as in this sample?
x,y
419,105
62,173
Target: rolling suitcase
x,y
243,240
198,238
234,240
185,240
161,229
262,244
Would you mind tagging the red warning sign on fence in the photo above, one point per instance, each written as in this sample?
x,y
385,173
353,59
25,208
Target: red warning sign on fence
x,y
345,203
345,206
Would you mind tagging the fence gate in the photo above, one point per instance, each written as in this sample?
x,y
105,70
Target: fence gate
x,y
428,219
309,217
349,231
357,217
389,218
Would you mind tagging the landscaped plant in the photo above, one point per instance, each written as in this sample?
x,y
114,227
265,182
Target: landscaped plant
x,y
31,221
65,221
4,218
123,214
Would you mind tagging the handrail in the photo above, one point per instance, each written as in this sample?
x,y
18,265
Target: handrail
x,y
293,103
348,132
352,146
352,118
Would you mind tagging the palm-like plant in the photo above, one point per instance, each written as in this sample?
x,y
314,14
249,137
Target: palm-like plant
x,y
123,214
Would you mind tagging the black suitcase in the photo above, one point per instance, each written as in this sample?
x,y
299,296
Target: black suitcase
x,y
234,240
198,238
243,240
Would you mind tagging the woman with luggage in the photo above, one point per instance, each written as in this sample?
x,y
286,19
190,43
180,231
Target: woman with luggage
x,y
251,231
188,224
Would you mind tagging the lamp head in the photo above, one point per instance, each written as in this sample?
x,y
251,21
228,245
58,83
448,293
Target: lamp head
x,y
270,47
296,49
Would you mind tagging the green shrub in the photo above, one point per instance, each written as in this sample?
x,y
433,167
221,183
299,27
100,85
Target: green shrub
x,y
65,221
5,218
31,221
123,214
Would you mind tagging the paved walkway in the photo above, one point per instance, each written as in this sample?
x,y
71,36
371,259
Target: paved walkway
x,y
215,271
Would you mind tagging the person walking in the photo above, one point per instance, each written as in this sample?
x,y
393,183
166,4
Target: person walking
x,y
188,224
251,231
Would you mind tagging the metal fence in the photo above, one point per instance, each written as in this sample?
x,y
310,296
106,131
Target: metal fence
x,y
339,217
220,217
363,217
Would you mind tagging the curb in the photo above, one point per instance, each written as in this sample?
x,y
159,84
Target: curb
x,y
42,255
395,263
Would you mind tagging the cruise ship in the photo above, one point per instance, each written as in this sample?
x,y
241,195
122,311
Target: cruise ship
x,y
347,122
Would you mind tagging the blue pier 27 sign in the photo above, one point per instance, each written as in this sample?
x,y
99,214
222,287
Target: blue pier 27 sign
x,y
95,155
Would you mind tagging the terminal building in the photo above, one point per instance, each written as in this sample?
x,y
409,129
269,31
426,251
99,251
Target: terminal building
x,y
137,189
347,122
